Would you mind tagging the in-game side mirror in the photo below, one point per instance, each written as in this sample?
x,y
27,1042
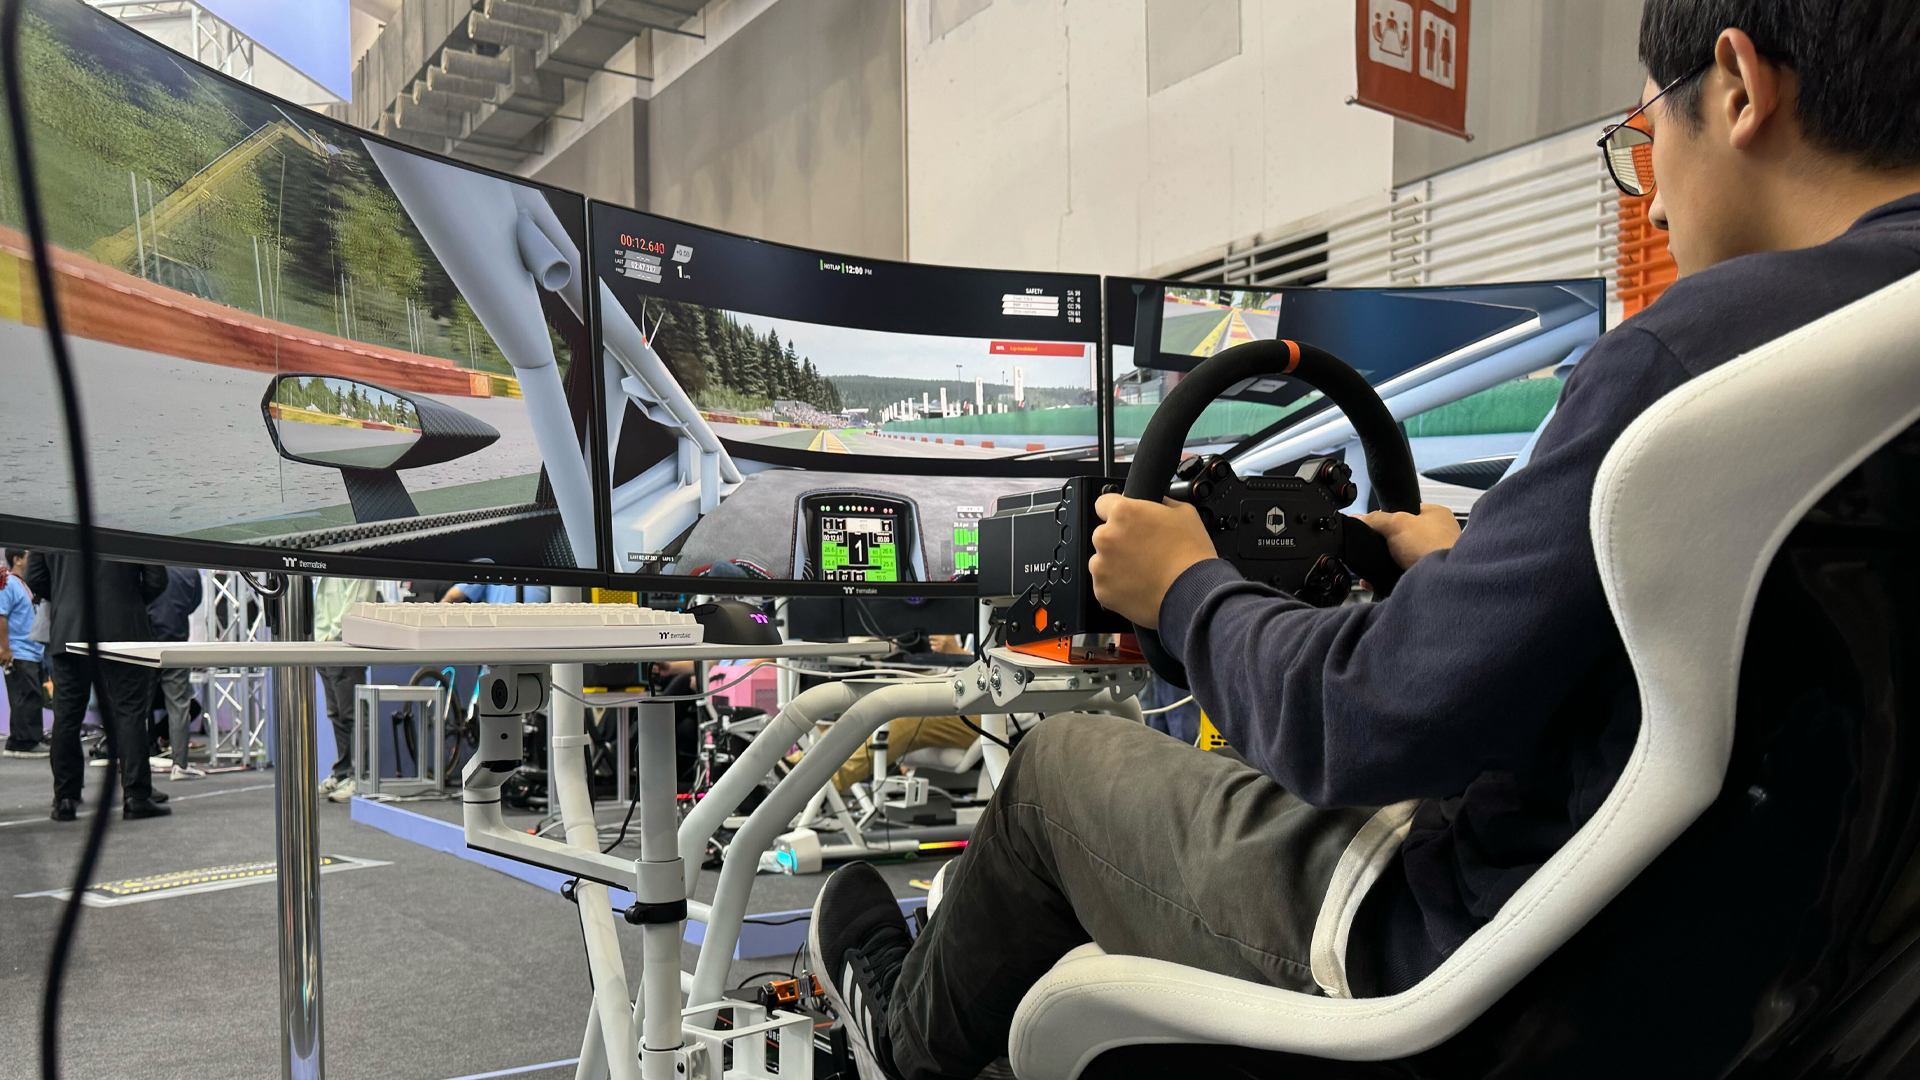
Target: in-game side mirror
x,y
368,432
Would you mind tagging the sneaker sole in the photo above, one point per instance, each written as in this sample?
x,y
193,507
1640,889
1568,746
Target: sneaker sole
x,y
863,1059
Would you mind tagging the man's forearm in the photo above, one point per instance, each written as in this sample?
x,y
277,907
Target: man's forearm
x,y
1362,705
1244,645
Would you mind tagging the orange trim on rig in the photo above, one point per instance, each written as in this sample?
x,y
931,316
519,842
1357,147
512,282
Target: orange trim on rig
x,y
1060,649
1293,356
1125,651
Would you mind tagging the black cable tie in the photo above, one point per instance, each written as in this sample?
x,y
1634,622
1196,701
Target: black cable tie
x,y
654,914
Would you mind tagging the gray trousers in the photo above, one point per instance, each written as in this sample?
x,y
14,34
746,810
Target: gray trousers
x,y
176,689
1105,830
339,684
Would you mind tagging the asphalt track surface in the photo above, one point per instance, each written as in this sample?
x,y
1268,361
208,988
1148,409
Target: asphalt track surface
x,y
180,446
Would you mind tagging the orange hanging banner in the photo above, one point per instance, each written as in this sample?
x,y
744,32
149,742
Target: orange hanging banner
x,y
1411,57
1645,266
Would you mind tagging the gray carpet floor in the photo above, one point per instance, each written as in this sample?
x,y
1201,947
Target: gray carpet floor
x,y
434,967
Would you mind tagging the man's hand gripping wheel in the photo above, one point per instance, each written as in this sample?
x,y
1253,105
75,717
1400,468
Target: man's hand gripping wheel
x,y
1284,530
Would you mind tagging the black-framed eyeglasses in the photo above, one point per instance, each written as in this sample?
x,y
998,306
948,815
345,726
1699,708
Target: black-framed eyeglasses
x,y
1628,150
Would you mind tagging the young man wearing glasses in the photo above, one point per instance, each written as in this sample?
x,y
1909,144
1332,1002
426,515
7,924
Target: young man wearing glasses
x,y
1489,704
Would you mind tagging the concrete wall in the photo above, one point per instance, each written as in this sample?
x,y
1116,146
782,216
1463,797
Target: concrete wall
x,y
790,129
1128,135
412,37
1534,69
607,161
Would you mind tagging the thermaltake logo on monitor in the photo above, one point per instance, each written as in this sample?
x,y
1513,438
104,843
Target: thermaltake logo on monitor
x,y
853,591
302,564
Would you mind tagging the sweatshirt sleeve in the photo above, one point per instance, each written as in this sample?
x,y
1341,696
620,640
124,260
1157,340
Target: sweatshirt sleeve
x,y
1458,671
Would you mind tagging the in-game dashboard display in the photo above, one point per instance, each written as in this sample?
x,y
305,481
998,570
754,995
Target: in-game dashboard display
x,y
861,539
296,345
810,422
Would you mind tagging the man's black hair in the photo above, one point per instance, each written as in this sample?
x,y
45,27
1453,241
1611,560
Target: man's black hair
x,y
1858,63
15,553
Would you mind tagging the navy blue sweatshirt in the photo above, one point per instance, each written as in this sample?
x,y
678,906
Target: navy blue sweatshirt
x,y
171,610
1493,684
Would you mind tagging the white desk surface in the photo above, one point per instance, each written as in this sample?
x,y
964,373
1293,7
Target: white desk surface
x,y
226,654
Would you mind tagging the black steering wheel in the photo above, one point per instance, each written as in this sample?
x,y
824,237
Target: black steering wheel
x,y
1285,530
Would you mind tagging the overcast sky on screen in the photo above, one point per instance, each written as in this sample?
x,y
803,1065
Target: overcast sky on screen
x,y
838,350
312,35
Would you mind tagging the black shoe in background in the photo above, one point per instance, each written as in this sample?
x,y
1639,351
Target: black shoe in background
x,y
857,940
144,808
160,796
64,810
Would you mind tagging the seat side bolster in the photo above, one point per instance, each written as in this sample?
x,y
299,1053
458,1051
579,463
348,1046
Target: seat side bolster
x,y
1091,1002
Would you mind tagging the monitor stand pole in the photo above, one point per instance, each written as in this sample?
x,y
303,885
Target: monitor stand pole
x,y
297,843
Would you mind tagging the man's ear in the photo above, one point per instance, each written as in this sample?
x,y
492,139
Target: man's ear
x,y
1753,92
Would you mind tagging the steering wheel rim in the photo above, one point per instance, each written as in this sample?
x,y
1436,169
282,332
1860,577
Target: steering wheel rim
x,y
1389,458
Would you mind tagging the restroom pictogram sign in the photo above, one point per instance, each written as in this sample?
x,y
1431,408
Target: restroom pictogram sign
x,y
1411,57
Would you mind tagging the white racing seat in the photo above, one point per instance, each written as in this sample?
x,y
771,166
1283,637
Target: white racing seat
x,y
1689,509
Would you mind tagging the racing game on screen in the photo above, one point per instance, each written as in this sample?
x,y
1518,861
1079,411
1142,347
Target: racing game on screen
x,y
1472,371
776,413
289,337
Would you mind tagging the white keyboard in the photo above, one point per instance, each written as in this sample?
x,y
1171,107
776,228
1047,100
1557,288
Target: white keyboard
x,y
478,626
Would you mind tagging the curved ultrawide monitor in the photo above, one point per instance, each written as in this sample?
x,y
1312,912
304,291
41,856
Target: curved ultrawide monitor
x,y
782,420
297,346
1471,371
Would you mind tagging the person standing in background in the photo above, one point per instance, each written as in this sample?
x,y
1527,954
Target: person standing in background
x,y
121,593
169,613
20,655
332,599
497,594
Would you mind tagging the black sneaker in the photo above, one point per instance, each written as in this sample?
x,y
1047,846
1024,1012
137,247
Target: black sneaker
x,y
858,940
63,810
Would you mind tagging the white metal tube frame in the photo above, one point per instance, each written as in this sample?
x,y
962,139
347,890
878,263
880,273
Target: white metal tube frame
x,y
1004,682
859,721
669,1031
